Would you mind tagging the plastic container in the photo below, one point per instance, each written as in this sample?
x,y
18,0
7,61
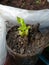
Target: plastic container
x,y
2,41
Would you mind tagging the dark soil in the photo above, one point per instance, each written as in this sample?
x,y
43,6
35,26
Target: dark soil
x,y
27,4
27,44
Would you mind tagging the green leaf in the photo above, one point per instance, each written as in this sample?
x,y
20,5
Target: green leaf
x,y
26,32
21,21
23,29
28,27
21,33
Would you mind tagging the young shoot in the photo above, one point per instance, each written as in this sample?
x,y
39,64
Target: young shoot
x,y
23,29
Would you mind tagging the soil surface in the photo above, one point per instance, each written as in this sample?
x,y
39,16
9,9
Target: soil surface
x,y
27,4
33,43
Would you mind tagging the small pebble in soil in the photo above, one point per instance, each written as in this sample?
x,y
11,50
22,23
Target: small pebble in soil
x,y
21,50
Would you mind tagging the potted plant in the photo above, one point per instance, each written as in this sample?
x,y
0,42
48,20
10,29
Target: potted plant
x,y
35,14
25,42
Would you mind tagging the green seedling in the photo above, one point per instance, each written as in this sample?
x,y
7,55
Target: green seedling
x,y
23,29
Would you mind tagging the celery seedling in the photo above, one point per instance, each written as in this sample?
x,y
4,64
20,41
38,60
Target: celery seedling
x,y
23,29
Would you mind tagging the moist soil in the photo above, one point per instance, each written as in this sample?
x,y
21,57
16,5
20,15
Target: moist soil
x,y
30,44
27,4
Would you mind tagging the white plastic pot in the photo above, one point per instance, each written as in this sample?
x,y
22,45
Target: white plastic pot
x,y
2,41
